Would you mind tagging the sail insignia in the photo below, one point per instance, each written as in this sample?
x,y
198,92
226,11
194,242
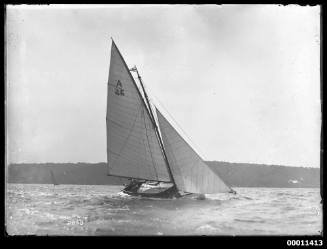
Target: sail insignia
x,y
119,88
133,149
144,148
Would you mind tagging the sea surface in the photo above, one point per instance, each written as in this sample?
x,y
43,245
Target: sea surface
x,y
88,210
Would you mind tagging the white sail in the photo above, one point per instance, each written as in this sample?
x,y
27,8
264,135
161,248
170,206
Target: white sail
x,y
53,179
133,149
190,173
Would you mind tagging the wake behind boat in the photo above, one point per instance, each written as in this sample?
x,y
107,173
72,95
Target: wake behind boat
x,y
143,146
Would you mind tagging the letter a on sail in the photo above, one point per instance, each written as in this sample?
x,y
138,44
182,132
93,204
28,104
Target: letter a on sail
x,y
133,149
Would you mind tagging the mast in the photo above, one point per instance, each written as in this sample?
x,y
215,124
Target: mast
x,y
138,145
149,111
154,124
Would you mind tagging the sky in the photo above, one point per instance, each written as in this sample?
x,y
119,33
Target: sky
x,y
241,83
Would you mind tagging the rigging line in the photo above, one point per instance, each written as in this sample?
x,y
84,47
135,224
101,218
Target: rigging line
x,y
176,170
129,134
142,92
144,146
146,133
152,118
185,134
131,76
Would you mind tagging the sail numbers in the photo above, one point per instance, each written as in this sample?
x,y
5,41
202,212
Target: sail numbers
x,y
119,88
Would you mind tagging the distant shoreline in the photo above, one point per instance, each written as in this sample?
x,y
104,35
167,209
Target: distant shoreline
x,y
234,174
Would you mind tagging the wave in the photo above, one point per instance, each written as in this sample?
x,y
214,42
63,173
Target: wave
x,y
250,221
104,211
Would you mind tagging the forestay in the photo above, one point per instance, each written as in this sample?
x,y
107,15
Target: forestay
x,y
191,174
133,149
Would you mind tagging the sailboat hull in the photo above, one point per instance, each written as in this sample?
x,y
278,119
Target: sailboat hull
x,y
153,192
146,147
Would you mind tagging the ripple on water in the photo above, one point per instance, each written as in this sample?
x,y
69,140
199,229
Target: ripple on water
x,y
37,210
250,220
45,223
205,229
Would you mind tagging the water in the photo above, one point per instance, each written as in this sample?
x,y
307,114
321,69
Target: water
x,y
99,210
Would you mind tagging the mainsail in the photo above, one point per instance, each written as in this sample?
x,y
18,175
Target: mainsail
x,y
191,174
53,179
142,148
133,149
